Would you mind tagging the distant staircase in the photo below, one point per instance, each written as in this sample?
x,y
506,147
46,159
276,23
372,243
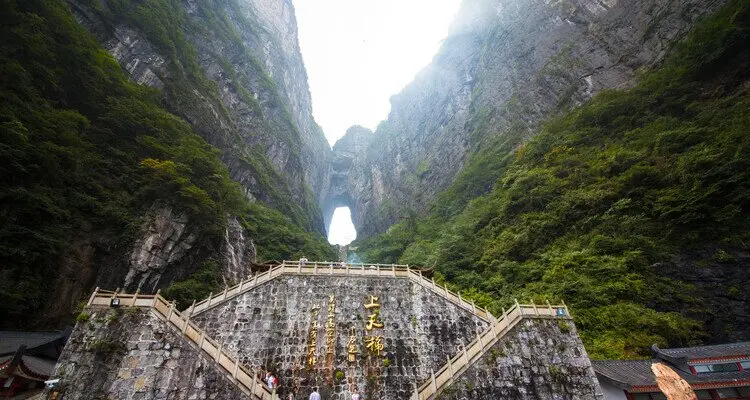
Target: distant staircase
x,y
328,269
244,378
472,352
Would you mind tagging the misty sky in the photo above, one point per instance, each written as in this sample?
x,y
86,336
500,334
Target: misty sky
x,y
358,54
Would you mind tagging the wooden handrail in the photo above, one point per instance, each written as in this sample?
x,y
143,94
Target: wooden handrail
x,y
484,341
330,269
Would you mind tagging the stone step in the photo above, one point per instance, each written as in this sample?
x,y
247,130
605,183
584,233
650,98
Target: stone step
x,y
484,341
330,269
243,378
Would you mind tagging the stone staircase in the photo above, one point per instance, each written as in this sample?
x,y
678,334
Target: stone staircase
x,y
329,269
472,352
244,378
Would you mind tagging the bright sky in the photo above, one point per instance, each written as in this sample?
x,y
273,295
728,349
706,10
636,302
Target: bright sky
x,y
358,53
342,230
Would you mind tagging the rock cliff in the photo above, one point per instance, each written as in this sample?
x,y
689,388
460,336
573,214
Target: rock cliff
x,y
506,66
238,78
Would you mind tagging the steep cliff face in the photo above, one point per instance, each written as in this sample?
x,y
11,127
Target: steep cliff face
x,y
506,66
109,110
343,182
234,71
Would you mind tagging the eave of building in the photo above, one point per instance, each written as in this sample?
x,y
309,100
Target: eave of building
x,y
735,358
695,386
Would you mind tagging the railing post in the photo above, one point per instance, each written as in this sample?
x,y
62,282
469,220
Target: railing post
x,y
330,266
203,338
269,274
156,297
416,391
520,310
450,365
466,356
114,295
236,368
93,296
505,313
434,287
550,308
393,269
226,289
347,268
255,279
567,313
479,338
255,381
474,308
460,301
536,312
171,310
135,297
218,351
299,267
432,377
447,295
188,314
315,268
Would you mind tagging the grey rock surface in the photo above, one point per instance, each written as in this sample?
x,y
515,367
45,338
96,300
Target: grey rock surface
x,y
132,354
269,327
537,359
506,66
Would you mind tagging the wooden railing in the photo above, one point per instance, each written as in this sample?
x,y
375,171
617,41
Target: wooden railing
x,y
243,377
332,269
471,353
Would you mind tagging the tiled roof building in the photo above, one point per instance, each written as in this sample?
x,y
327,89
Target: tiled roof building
x,y
714,372
27,359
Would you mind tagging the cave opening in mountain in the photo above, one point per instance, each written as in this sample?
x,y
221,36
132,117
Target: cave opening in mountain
x,y
341,230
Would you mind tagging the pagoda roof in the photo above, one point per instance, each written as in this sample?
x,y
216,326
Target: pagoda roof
x,y
11,341
718,351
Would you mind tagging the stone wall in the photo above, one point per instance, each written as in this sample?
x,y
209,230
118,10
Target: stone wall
x,y
269,326
129,354
539,359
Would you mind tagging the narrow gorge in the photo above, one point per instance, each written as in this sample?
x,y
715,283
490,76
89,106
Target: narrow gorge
x,y
594,151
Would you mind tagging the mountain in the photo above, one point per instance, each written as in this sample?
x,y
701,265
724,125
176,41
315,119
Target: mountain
x,y
632,207
151,145
589,151
506,66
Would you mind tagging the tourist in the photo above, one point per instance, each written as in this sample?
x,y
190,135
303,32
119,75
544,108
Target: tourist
x,y
315,395
355,394
302,261
343,264
272,382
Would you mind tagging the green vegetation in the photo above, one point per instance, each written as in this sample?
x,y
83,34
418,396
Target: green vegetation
x,y
198,286
188,93
591,208
85,153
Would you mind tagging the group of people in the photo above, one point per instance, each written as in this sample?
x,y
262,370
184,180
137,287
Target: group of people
x,y
316,396
273,383
342,264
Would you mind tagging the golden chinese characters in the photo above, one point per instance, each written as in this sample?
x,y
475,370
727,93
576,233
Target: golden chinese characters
x,y
331,330
351,347
312,343
373,343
